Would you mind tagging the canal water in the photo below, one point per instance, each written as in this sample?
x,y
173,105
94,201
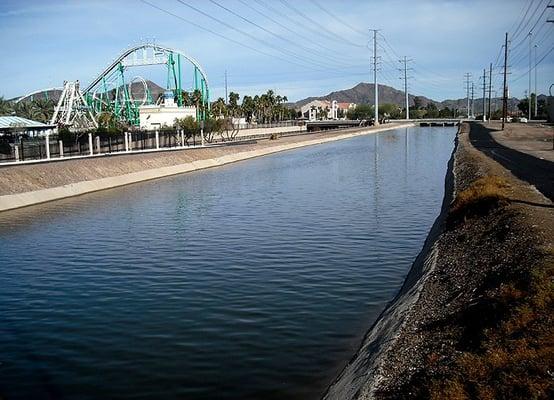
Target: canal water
x,y
256,280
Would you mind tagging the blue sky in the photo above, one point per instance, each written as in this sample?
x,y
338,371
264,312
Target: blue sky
x,y
47,42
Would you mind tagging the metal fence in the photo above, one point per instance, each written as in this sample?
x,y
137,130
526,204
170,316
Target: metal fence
x,y
23,148
269,125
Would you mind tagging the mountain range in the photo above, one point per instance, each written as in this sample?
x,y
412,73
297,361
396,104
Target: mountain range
x,y
364,93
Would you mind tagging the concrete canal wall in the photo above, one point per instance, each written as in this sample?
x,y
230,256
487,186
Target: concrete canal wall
x,y
26,185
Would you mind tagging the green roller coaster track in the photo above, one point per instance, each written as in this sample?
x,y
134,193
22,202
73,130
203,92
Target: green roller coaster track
x,y
110,92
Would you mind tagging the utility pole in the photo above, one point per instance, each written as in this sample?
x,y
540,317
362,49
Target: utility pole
x,y
536,94
472,97
484,95
505,92
375,85
405,62
490,91
467,76
530,69
226,98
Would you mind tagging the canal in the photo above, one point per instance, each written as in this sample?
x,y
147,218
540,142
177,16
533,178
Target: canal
x,y
256,280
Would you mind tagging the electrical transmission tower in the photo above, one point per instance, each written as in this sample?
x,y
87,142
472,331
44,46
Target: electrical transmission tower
x,y
375,85
472,97
226,96
490,92
405,61
484,95
530,69
468,87
536,93
505,89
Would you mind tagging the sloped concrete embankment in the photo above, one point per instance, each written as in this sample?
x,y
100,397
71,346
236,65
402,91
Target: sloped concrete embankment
x,y
26,185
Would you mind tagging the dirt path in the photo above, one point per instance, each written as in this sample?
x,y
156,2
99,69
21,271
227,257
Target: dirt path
x,y
536,171
533,138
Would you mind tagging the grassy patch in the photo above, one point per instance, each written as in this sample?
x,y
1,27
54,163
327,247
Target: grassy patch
x,y
515,358
482,196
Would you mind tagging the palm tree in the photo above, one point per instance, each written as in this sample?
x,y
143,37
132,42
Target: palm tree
x,y
248,107
6,107
197,101
186,98
219,108
270,102
265,106
27,109
284,99
44,109
233,103
257,107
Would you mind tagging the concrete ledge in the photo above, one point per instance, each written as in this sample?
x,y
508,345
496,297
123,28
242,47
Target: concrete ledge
x,y
13,201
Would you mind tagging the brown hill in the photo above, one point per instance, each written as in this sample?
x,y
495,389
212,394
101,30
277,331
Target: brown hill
x,y
363,93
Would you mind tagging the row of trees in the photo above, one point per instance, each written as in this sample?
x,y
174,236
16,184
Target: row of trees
x,y
393,111
542,112
264,108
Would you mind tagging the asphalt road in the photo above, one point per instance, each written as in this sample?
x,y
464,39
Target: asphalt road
x,y
537,172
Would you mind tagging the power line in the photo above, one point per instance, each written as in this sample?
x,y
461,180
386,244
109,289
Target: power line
x,y
286,17
265,43
329,52
280,37
213,32
517,31
536,64
390,47
522,40
330,33
335,17
521,56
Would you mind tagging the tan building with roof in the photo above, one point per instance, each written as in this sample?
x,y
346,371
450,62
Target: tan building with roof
x,y
334,109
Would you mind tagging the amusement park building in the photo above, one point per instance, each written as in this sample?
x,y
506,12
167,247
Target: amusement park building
x,y
156,116
20,125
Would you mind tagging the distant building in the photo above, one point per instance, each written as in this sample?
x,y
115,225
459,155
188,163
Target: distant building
x,y
154,117
335,110
345,107
19,125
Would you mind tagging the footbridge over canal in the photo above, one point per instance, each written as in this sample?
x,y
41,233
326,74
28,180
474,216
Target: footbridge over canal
x,y
437,121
